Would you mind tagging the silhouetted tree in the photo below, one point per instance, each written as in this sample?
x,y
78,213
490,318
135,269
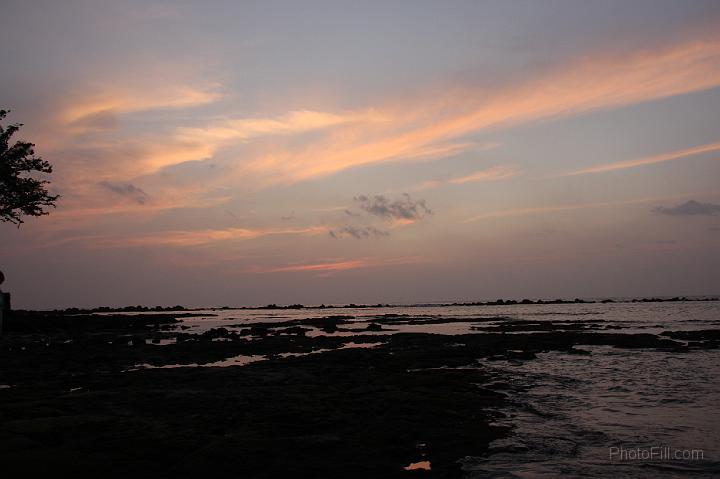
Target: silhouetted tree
x,y
20,193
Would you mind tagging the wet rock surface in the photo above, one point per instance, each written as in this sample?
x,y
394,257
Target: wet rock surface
x,y
78,405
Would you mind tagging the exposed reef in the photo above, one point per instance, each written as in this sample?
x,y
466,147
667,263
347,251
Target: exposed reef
x,y
107,396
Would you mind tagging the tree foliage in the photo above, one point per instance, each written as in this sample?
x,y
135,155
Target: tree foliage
x,y
21,194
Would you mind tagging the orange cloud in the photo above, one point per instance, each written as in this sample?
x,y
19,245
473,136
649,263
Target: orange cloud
x,y
334,266
588,85
115,99
293,122
495,173
202,237
164,155
408,130
648,160
324,267
491,174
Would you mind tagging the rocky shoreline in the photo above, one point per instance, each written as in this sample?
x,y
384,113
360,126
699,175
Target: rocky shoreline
x,y
95,395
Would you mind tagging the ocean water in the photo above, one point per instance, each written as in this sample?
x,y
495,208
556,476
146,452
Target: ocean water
x,y
578,411
629,317
627,412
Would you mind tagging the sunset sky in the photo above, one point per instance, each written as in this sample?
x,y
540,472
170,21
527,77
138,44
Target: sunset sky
x,y
241,153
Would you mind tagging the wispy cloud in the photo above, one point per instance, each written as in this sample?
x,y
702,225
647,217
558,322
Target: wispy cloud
x,y
430,129
491,174
565,207
690,208
202,237
496,173
318,267
293,122
95,139
335,265
430,126
112,99
648,160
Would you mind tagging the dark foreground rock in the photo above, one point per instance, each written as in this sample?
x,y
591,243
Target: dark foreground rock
x,y
348,413
78,400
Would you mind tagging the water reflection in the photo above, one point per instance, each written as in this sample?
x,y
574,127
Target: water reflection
x,y
239,360
570,410
421,465
630,317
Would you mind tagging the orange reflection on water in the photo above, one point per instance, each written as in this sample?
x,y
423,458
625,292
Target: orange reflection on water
x,y
418,465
